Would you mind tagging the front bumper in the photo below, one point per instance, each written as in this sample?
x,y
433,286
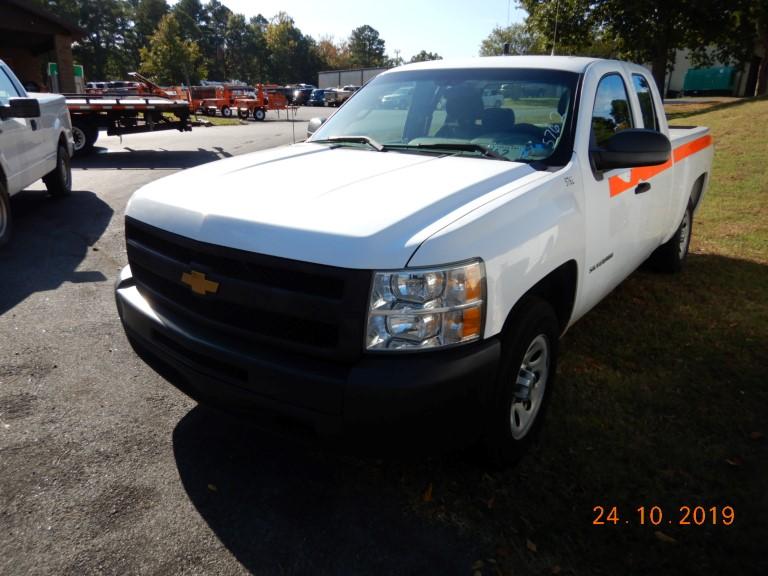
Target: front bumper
x,y
284,389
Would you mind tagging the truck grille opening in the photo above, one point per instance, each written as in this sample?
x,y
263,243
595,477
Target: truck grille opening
x,y
310,308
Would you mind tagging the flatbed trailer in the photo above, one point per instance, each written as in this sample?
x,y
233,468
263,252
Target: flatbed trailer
x,y
120,115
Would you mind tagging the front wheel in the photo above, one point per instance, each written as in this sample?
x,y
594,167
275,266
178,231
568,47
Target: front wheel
x,y
226,111
5,216
519,398
59,180
670,256
259,114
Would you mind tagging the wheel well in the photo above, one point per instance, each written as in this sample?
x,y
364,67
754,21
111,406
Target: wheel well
x,y
698,188
558,289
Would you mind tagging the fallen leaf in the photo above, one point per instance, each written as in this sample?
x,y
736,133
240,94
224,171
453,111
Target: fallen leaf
x,y
491,502
531,546
555,569
735,461
756,435
664,538
478,565
502,552
427,496
212,488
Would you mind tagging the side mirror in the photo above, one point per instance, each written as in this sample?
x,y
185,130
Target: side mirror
x,y
21,108
630,149
314,124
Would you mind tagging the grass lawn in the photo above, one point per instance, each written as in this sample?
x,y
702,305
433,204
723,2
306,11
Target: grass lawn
x,y
662,400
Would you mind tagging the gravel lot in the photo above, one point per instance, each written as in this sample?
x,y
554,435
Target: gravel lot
x,y
107,469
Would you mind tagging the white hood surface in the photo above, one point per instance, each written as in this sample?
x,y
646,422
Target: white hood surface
x,y
348,207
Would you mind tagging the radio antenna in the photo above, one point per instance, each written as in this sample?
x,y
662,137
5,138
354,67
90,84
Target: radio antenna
x,y
554,39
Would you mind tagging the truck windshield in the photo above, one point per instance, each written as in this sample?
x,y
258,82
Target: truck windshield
x,y
518,114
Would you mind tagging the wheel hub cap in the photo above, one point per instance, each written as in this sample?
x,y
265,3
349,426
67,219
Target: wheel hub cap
x,y
530,385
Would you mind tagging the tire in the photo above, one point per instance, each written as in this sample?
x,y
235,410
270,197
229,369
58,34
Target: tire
x,y
527,370
259,114
59,180
670,257
243,114
6,222
226,111
85,135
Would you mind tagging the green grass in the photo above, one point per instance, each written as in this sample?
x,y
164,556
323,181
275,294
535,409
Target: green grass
x,y
662,400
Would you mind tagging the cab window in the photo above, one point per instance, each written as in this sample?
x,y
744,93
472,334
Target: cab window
x,y
644,95
611,112
7,88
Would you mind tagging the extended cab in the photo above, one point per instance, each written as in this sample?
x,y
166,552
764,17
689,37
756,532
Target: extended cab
x,y
438,257
35,142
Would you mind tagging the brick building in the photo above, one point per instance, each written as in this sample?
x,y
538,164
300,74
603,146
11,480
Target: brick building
x,y
30,37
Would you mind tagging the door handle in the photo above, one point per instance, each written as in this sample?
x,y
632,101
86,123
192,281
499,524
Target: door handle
x,y
34,124
642,187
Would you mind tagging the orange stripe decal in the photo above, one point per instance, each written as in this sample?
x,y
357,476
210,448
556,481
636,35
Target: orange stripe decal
x,y
617,184
692,147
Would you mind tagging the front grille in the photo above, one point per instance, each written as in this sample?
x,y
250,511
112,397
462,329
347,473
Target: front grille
x,y
310,308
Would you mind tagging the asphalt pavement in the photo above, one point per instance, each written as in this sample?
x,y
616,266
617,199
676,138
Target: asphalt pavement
x,y
105,468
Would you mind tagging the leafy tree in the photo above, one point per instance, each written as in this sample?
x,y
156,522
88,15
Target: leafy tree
x,y
425,56
333,55
213,32
643,31
190,17
258,47
293,56
366,47
145,15
169,58
522,40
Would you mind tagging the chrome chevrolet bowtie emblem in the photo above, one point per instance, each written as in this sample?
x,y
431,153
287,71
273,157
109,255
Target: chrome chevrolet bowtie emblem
x,y
199,283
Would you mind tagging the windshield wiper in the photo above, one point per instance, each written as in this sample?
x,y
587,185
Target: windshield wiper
x,y
352,139
465,147
455,146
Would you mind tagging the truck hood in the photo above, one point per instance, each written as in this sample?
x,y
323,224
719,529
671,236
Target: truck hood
x,y
346,207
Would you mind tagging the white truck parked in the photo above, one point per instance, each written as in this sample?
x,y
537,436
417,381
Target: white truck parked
x,y
35,142
435,262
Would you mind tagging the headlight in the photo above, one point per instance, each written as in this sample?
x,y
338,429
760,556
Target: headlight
x,y
418,309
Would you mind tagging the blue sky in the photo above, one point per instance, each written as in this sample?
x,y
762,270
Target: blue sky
x,y
452,28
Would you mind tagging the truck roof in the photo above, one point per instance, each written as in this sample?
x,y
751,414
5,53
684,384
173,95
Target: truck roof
x,y
566,63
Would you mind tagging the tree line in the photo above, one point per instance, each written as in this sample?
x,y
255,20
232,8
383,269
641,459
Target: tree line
x,y
649,31
195,40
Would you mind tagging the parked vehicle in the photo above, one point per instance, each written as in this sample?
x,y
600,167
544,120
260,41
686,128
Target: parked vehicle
x,y
266,97
301,96
148,108
337,96
317,98
35,142
225,99
492,96
400,98
430,270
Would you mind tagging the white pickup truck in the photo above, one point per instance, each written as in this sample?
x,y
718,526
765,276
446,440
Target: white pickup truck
x,y
35,142
436,259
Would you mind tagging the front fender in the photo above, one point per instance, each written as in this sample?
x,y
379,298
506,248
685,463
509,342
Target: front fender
x,y
521,236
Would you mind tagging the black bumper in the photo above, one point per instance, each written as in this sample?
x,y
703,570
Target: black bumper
x,y
322,397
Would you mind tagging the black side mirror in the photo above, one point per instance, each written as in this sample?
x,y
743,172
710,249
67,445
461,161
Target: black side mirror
x,y
314,124
630,149
20,108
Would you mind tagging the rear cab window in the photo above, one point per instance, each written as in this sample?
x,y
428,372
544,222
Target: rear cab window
x,y
647,106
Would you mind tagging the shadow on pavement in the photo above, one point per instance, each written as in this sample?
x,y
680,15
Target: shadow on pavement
x,y
285,508
51,237
131,159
